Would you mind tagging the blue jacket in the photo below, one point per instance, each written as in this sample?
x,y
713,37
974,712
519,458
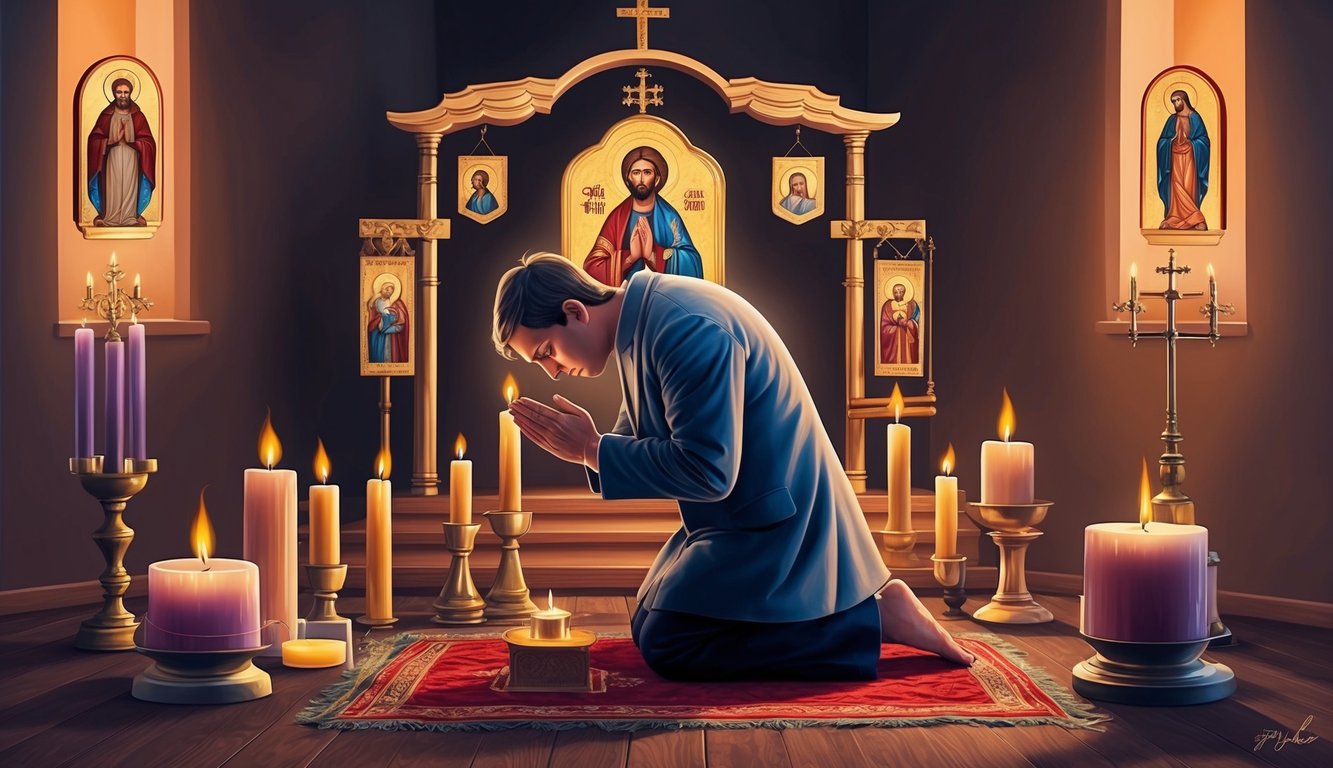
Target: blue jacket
x,y
716,416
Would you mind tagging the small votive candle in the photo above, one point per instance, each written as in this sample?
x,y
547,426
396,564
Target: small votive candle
x,y
551,623
313,653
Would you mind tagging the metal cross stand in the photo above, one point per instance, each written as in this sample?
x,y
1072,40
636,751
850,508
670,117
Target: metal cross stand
x,y
1171,504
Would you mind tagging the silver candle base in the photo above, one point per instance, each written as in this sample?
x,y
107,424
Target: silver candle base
x,y
1153,674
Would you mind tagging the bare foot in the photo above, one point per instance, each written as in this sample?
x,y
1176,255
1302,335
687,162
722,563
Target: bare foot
x,y
903,619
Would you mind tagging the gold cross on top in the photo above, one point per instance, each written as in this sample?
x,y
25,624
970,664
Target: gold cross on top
x,y
642,95
641,13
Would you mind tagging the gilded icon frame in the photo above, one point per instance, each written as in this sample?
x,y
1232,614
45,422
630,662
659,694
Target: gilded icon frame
x,y
812,170
914,314
494,172
400,273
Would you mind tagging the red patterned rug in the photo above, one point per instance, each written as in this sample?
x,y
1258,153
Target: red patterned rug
x,y
444,683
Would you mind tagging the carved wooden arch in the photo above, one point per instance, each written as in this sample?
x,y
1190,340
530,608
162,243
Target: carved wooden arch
x,y
514,101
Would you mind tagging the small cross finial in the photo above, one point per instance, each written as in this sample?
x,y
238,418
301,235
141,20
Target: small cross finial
x,y
641,13
642,95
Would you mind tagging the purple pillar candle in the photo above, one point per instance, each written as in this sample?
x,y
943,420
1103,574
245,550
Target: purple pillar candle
x,y
193,606
83,393
115,407
135,404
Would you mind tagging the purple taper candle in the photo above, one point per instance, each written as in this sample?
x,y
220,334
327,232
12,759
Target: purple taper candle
x,y
83,393
115,407
136,403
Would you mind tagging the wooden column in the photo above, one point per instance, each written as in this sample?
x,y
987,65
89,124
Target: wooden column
x,y
854,459
425,465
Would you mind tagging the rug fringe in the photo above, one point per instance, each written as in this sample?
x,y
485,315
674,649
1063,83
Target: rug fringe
x,y
1083,715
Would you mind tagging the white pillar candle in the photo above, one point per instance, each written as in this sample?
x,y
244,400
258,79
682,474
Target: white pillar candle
x,y
198,606
460,485
899,468
325,514
1007,468
946,509
270,537
379,548
511,464
1145,584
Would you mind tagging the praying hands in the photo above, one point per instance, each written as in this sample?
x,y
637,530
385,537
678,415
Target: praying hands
x,y
566,431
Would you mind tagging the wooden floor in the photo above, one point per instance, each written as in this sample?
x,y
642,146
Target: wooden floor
x,y
60,706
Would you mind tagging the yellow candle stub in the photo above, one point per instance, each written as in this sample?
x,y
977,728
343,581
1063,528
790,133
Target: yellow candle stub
x,y
314,653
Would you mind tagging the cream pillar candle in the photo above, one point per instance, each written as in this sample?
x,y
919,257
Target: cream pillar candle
x,y
511,464
379,542
946,508
900,468
325,533
269,514
460,485
1007,468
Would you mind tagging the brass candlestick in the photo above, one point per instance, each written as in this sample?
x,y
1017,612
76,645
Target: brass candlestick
x,y
1013,533
459,602
508,598
112,628
325,581
1172,505
951,573
899,549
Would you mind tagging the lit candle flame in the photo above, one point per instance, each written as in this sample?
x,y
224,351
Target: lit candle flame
x,y
460,446
510,388
1008,420
550,599
896,401
383,463
90,280
113,259
1145,498
322,464
201,531
1210,270
137,290
947,463
270,448
1133,271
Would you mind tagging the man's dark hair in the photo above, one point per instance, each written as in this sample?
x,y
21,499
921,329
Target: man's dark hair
x,y
485,178
1184,96
652,156
532,293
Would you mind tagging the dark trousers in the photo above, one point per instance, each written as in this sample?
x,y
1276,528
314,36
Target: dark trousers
x,y
683,646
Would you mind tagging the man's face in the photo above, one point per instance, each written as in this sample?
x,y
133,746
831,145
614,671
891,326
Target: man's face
x,y
798,185
122,94
571,349
642,179
386,290
1178,103
899,291
476,181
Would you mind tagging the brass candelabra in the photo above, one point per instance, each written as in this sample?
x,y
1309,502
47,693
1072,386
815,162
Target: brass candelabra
x,y
1172,505
115,304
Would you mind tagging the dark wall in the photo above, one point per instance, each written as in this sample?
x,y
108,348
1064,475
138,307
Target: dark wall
x,y
1000,148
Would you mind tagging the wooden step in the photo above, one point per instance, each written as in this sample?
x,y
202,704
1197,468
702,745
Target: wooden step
x,y
579,541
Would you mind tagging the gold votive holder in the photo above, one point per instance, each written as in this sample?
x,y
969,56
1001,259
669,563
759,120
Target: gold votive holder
x,y
509,599
325,581
459,601
951,573
550,624
1154,674
549,665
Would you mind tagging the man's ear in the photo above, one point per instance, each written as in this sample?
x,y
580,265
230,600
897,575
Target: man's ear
x,y
575,310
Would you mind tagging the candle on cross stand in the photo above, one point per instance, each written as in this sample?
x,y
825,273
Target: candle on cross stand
x,y
460,485
325,544
202,603
1007,467
84,387
900,468
511,466
379,543
270,537
1147,581
946,508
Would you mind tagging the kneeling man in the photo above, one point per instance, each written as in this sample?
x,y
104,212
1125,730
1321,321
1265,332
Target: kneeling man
x,y
773,573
